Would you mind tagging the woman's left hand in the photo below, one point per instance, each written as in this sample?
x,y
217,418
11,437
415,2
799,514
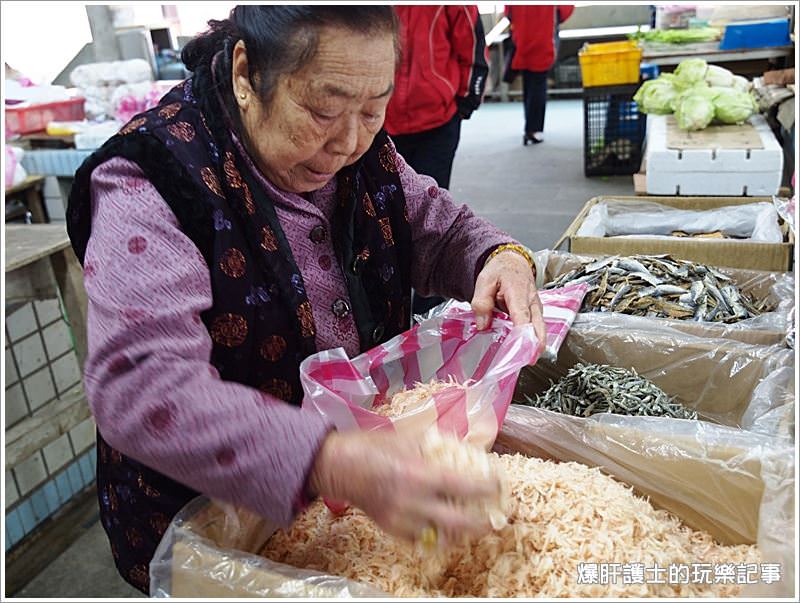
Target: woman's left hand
x,y
508,283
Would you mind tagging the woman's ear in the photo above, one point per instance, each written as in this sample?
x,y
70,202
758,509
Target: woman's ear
x,y
240,74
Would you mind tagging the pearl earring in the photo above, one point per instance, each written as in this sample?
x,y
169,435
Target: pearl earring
x,y
243,96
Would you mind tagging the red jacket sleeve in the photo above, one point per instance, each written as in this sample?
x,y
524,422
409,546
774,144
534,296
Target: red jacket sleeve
x,y
565,12
469,49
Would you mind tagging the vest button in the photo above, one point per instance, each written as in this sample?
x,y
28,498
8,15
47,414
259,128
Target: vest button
x,y
318,234
340,308
377,334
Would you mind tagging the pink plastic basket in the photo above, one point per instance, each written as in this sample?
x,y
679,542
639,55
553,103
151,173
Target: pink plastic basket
x,y
34,118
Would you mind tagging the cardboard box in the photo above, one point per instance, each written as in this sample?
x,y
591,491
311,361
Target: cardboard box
x,y
716,377
774,257
711,475
759,284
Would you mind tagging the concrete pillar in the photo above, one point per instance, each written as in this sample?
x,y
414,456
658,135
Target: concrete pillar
x,y
104,36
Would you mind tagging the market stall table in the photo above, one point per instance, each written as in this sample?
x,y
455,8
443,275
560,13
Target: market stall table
x,y
40,264
756,58
29,191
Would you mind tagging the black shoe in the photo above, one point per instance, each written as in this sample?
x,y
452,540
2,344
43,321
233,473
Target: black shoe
x,y
526,140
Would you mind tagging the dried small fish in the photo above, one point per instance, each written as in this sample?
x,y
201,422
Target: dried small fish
x,y
669,290
662,286
588,389
631,265
619,295
598,264
697,289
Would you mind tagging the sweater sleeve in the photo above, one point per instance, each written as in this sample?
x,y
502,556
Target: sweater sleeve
x,y
151,387
450,242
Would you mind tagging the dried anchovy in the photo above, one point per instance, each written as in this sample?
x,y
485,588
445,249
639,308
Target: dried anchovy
x,y
662,286
588,389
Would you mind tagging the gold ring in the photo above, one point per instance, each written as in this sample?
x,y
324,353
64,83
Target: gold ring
x,y
429,537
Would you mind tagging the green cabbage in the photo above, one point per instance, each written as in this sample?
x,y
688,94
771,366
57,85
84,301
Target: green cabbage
x,y
732,106
697,93
741,83
699,89
690,73
655,96
694,111
719,76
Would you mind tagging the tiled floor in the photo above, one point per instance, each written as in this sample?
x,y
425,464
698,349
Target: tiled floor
x,y
532,192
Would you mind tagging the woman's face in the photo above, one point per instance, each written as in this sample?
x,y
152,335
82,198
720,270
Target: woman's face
x,y
323,117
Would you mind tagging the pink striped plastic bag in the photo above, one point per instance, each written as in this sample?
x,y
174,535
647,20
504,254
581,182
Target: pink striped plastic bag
x,y
484,364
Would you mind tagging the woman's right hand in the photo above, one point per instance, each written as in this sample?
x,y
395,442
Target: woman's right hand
x,y
385,475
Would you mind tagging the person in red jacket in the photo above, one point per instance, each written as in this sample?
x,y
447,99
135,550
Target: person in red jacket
x,y
533,30
439,82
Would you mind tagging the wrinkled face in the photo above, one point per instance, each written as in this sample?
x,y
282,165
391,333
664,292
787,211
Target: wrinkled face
x,y
323,117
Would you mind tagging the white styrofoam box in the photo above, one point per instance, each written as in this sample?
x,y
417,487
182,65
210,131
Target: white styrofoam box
x,y
57,339
29,353
47,310
735,172
66,371
16,407
83,435
30,473
11,369
57,453
722,184
54,162
12,494
21,322
39,388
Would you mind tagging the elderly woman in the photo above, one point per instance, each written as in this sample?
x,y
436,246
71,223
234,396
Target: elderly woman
x,y
257,215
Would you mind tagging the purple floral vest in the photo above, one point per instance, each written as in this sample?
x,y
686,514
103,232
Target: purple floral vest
x,y
261,322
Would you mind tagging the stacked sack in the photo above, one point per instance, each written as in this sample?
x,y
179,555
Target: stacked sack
x,y
116,90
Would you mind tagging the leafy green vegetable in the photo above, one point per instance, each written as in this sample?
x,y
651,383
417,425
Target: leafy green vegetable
x,y
698,89
694,112
678,36
732,106
719,76
656,96
698,93
690,73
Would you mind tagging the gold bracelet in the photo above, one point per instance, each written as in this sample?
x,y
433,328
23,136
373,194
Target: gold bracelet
x,y
515,248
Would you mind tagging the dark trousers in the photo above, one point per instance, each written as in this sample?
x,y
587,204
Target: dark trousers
x,y
431,153
534,99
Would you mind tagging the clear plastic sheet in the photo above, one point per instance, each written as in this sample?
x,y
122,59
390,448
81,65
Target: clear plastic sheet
x,y
731,473
787,210
771,410
728,382
737,485
754,222
209,550
768,328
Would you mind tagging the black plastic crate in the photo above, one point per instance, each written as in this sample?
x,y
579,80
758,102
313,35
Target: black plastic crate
x,y
613,131
567,73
